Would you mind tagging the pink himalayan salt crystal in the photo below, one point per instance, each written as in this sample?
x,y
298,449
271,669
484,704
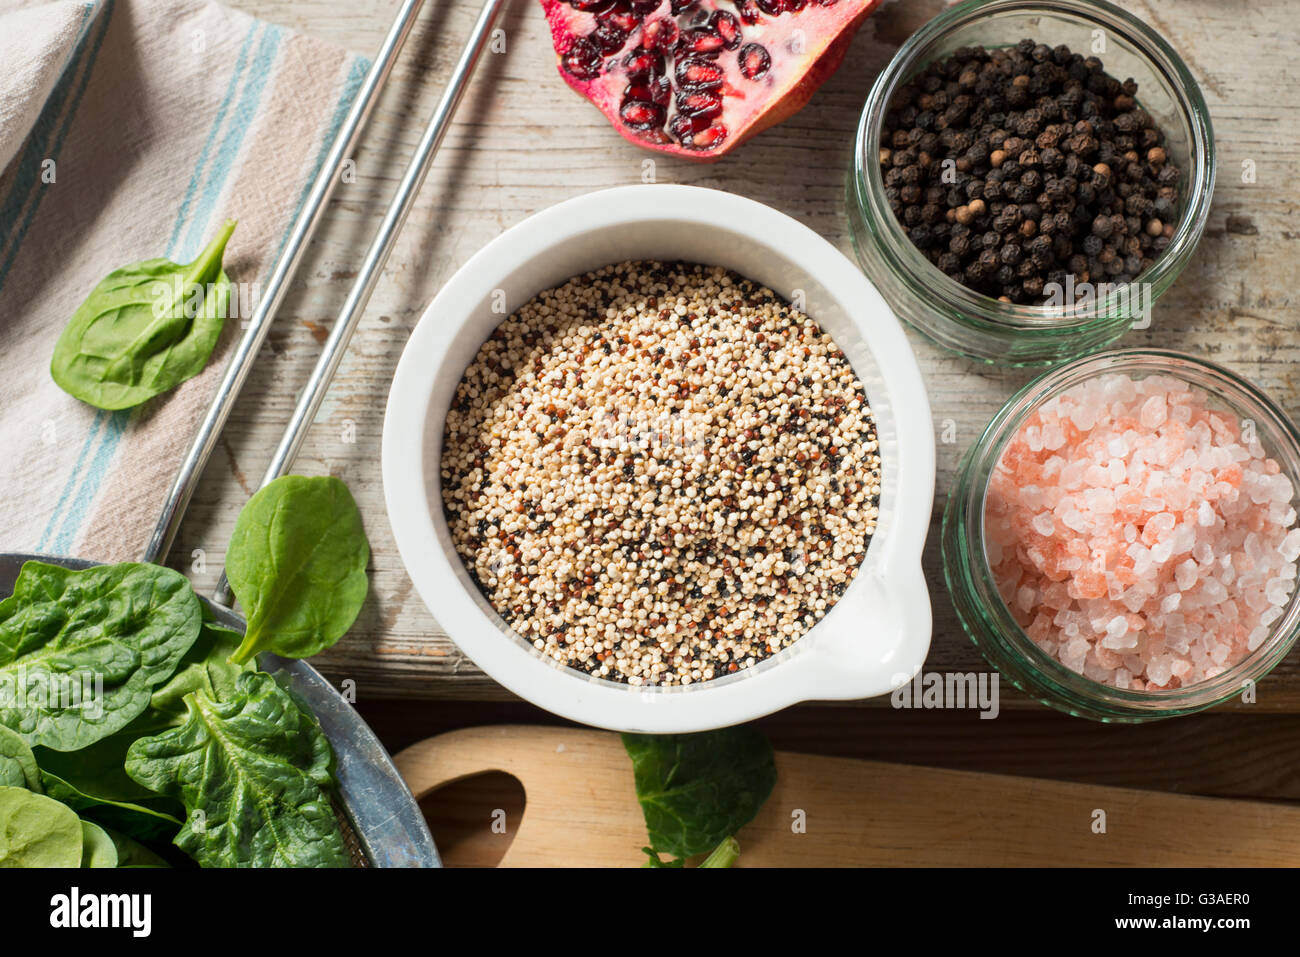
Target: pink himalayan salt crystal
x,y
1137,536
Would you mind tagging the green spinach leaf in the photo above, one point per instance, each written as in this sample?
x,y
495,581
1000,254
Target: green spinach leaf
x,y
96,773
17,763
253,773
206,667
696,790
297,564
97,848
654,860
37,831
153,817
94,782
144,329
81,651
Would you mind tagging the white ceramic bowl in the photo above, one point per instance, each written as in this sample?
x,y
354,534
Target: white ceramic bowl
x,y
877,635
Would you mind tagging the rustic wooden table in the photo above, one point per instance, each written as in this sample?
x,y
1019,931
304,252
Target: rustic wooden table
x,y
522,142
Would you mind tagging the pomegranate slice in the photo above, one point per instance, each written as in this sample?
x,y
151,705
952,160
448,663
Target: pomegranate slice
x,y
695,78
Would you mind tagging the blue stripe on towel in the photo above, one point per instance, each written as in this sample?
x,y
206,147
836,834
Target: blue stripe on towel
x,y
231,143
217,121
57,513
95,472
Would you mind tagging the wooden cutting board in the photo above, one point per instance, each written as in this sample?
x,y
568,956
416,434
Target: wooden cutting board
x,y
580,809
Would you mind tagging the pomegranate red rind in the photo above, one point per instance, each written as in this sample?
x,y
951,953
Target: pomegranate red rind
x,y
695,79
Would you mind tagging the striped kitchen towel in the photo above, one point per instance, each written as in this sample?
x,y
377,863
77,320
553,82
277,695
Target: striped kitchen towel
x,y
131,129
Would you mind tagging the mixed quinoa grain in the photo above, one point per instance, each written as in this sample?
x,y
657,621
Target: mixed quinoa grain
x,y
660,473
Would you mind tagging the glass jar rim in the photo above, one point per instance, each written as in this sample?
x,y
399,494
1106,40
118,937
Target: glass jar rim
x,y
1229,388
925,278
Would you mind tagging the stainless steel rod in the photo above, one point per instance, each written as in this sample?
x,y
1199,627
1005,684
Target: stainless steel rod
x,y
277,285
309,401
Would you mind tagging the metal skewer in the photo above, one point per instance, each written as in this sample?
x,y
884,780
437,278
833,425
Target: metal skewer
x,y
372,265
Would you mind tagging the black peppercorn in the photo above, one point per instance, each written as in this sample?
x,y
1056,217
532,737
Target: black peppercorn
x,y
1042,154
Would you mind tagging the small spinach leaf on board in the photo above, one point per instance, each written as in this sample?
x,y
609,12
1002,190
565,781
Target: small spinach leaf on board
x,y
18,766
144,329
252,772
696,790
297,564
37,831
97,848
81,651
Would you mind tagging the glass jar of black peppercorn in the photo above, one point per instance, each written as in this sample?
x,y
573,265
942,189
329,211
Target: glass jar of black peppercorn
x,y
1029,177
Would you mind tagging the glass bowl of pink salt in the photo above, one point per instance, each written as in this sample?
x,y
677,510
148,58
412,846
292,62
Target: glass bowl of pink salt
x,y
1122,541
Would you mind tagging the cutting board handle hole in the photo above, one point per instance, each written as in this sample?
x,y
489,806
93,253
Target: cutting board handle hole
x,y
474,819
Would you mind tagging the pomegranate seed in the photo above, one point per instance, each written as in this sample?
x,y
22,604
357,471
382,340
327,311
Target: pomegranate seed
x,y
643,62
727,27
700,104
754,61
771,7
710,138
643,8
699,73
704,42
625,20
583,59
698,122
592,6
748,11
660,34
641,115
608,38
794,6
656,91
680,6
681,128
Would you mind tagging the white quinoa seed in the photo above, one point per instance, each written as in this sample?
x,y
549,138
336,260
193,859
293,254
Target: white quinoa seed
x,y
660,473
